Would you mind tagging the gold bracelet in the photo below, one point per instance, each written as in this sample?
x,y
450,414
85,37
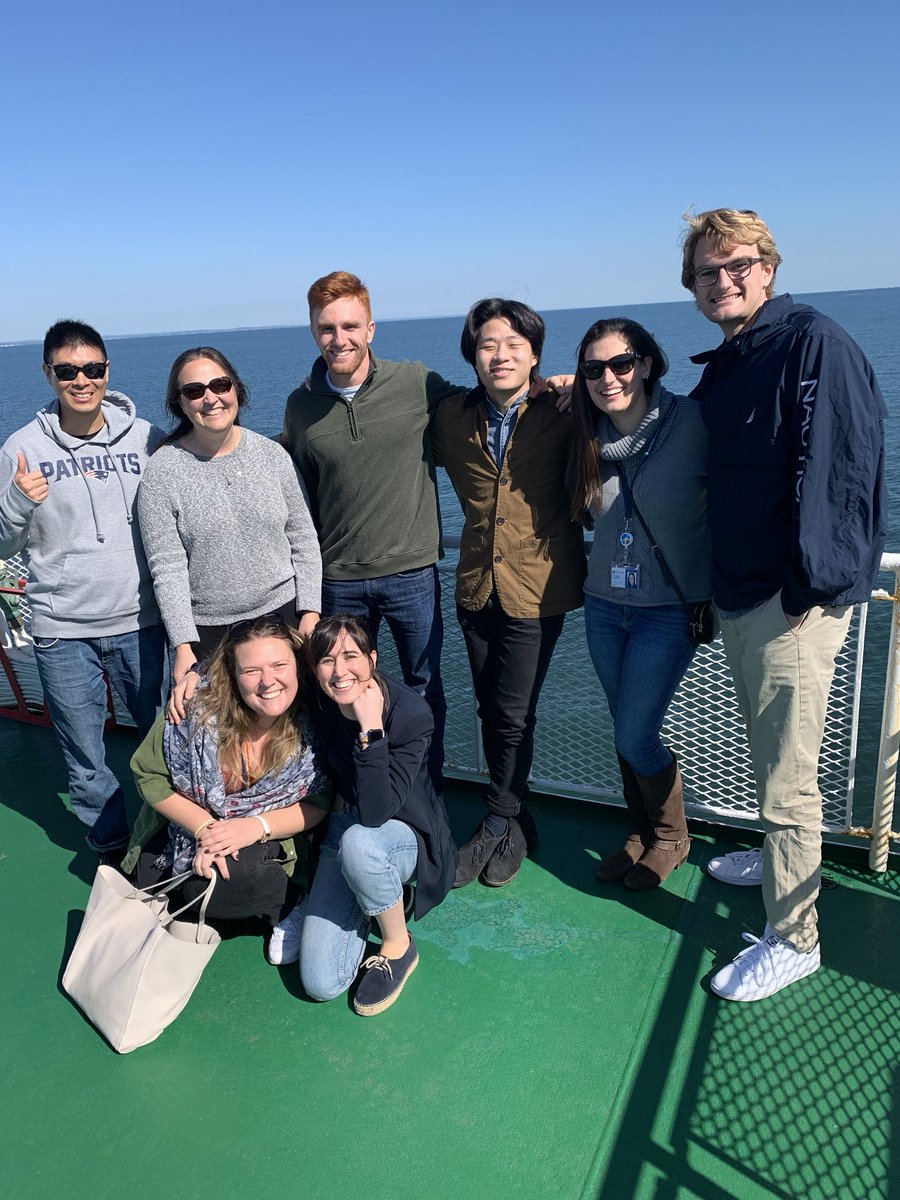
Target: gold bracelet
x,y
205,825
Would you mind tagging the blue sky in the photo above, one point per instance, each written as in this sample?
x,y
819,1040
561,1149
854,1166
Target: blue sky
x,y
195,165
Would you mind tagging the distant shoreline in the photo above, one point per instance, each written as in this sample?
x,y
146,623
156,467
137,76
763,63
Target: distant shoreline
x,y
113,337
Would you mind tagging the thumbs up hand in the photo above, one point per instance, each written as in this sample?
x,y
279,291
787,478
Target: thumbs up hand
x,y
30,483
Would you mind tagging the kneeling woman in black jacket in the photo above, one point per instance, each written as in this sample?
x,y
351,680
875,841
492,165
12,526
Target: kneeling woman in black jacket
x,y
389,824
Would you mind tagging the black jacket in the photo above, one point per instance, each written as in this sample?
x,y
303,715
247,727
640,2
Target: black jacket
x,y
390,780
796,493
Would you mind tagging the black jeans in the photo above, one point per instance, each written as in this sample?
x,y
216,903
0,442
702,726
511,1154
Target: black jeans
x,y
257,887
509,657
209,636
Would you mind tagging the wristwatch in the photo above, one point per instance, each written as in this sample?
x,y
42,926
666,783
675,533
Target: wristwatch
x,y
365,736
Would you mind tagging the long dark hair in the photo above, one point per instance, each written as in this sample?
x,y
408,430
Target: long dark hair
x,y
322,639
584,478
173,391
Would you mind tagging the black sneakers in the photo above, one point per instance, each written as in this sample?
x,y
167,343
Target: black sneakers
x,y
495,859
506,860
474,855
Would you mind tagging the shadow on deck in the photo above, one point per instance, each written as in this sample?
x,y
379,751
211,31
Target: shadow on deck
x,y
557,1041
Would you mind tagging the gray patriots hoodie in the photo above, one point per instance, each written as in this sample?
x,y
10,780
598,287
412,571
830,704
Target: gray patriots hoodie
x,y
89,577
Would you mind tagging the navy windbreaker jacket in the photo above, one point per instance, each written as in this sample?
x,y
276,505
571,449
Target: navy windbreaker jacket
x,y
796,493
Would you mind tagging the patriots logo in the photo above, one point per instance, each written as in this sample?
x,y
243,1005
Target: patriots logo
x,y
102,476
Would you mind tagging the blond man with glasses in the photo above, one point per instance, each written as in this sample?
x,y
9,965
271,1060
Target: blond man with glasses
x,y
796,503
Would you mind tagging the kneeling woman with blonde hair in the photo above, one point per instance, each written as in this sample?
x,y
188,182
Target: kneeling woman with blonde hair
x,y
232,785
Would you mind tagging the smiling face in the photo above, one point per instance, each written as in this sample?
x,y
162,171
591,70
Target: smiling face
x,y
504,360
343,330
265,671
622,397
212,413
731,303
344,673
80,398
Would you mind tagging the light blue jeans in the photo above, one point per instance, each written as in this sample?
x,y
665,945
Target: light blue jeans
x,y
71,671
640,656
361,873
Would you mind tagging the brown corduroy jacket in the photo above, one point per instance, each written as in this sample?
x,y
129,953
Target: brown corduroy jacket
x,y
518,535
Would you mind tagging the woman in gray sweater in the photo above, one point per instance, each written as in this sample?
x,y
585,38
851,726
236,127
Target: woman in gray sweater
x,y
639,449
224,519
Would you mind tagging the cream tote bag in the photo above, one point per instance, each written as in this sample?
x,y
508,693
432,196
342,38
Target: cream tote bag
x,y
134,965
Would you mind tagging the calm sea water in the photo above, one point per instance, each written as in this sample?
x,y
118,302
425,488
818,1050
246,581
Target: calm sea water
x,y
273,361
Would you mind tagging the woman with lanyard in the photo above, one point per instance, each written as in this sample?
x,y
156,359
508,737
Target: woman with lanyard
x,y
638,464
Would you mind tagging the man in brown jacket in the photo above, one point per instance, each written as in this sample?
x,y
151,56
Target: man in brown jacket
x,y
521,559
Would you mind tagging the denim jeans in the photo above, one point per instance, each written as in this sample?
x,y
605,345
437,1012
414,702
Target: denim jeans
x,y
361,873
71,671
410,603
640,656
509,657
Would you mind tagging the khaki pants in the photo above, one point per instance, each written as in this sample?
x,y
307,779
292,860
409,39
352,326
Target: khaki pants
x,y
782,678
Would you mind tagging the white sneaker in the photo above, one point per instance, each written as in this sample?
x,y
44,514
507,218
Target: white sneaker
x,y
284,941
742,868
768,965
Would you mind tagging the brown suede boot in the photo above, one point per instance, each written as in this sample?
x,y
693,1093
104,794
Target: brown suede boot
x,y
640,832
663,797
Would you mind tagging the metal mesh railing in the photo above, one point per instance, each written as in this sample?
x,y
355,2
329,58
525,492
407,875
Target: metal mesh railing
x,y
20,656
574,752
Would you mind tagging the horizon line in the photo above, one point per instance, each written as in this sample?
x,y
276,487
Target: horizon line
x,y
423,317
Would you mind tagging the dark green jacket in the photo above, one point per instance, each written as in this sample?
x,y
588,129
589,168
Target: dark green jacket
x,y
368,468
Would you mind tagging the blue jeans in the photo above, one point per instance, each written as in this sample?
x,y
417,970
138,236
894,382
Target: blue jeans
x,y
410,603
71,671
361,873
640,656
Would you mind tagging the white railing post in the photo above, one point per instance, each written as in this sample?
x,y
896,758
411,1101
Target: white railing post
x,y
886,780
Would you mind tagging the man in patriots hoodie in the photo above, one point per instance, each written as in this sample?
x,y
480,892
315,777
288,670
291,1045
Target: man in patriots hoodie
x,y
68,482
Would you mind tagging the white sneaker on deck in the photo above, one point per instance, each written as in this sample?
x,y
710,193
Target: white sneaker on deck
x,y
764,968
742,868
284,941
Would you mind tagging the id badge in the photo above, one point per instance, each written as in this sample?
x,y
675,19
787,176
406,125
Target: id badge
x,y
625,575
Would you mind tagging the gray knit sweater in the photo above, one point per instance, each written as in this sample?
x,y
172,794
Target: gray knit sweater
x,y
227,538
669,488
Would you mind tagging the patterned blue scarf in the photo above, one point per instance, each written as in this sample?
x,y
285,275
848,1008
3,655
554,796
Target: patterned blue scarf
x,y
192,756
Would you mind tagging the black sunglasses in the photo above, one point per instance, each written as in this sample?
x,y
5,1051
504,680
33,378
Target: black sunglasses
x,y
593,368
272,620
218,386
66,372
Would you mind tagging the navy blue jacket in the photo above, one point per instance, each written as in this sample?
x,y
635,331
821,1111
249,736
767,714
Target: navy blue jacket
x,y
390,780
795,492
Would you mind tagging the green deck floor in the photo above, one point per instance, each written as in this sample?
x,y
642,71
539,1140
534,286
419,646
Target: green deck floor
x,y
556,1041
